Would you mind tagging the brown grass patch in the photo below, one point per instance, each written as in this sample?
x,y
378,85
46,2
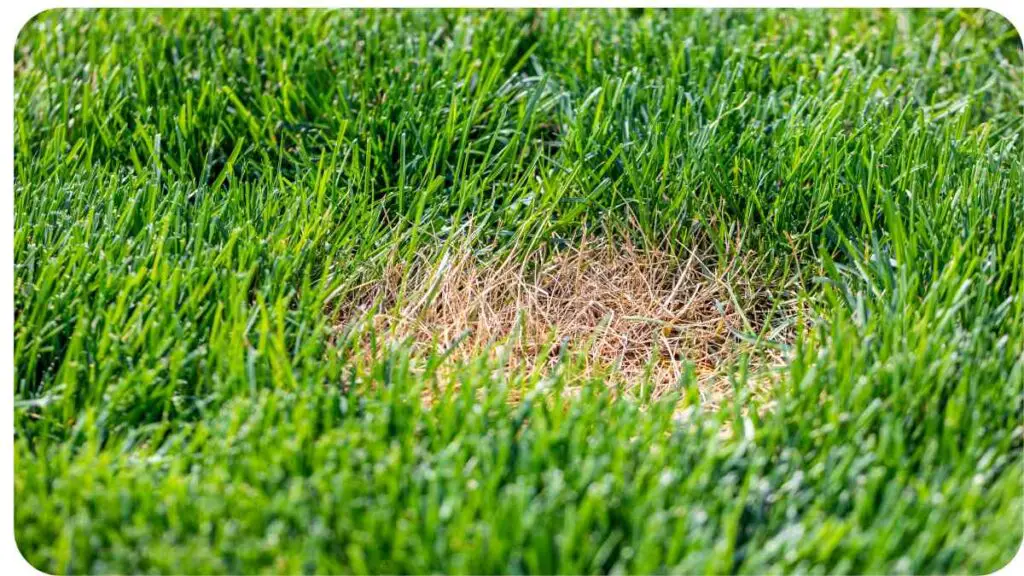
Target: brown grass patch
x,y
637,316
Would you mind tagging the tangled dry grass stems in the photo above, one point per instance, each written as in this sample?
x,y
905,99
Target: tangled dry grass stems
x,y
636,317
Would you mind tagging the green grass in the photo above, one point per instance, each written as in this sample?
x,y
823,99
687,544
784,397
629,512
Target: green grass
x,y
196,190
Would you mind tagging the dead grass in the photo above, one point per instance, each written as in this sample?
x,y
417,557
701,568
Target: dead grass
x,y
635,316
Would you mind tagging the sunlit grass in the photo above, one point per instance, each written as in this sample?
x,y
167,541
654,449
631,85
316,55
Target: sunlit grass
x,y
197,192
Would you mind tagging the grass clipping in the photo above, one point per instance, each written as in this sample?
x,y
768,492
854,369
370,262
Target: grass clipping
x,y
633,316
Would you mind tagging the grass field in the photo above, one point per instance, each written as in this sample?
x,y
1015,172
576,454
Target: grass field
x,y
519,291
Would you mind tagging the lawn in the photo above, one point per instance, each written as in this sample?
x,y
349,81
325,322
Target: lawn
x,y
519,291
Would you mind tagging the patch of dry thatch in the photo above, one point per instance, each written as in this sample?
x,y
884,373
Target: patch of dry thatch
x,y
635,315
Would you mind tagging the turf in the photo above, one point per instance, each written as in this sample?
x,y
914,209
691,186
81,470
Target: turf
x,y
198,192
